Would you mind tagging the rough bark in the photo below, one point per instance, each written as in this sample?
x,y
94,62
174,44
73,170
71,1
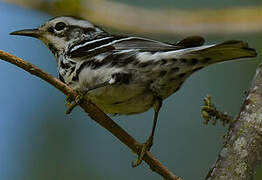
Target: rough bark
x,y
242,149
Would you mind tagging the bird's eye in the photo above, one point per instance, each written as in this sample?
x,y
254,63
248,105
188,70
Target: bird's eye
x,y
60,26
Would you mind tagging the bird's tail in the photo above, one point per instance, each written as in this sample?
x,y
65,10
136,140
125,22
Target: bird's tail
x,y
225,51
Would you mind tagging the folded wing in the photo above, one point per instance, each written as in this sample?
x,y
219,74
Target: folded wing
x,y
117,43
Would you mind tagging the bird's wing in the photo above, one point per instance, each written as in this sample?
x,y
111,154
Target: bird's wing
x,y
117,43
144,44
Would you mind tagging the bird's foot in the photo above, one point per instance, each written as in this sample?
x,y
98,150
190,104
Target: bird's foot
x,y
72,102
143,149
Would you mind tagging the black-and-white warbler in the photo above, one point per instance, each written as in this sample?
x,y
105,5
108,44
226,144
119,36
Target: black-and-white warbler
x,y
127,75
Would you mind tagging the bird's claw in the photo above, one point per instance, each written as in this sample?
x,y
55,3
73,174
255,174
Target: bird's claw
x,y
144,148
72,102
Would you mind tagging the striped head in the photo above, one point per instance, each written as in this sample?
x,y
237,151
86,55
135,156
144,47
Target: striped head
x,y
59,33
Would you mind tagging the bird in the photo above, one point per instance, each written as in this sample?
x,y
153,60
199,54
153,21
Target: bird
x,y
127,74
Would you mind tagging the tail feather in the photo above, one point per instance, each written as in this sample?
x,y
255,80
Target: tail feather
x,y
225,51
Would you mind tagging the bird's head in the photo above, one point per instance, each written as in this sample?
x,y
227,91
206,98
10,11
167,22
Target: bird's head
x,y
60,33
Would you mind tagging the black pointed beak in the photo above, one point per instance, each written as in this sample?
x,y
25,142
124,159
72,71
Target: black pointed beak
x,y
27,32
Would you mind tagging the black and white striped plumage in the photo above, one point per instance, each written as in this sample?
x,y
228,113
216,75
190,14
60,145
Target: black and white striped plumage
x,y
87,55
139,71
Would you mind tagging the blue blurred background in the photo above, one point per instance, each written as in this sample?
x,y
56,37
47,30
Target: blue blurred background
x,y
38,141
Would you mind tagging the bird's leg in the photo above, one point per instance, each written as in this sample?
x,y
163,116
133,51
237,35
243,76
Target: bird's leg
x,y
81,95
149,142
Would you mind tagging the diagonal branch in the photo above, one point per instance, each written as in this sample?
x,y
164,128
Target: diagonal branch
x,y
94,112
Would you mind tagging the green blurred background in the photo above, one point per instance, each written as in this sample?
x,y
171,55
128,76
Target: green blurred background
x,y
38,141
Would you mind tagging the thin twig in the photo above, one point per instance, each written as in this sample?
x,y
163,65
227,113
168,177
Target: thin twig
x,y
210,113
94,112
